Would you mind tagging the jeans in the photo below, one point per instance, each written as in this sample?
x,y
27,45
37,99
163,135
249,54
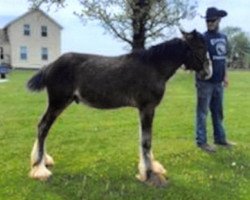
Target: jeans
x,y
209,96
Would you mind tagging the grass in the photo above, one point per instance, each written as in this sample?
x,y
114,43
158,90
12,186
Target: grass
x,y
96,152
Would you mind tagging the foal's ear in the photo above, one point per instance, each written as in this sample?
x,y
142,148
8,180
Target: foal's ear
x,y
182,32
194,33
189,35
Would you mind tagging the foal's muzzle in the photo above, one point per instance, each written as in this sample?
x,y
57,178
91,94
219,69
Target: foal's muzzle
x,y
207,71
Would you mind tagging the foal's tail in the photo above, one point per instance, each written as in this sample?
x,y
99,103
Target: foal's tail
x,y
37,82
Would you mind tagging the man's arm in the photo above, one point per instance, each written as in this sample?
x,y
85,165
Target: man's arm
x,y
226,79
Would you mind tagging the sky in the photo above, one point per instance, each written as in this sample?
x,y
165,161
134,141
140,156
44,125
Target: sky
x,y
91,37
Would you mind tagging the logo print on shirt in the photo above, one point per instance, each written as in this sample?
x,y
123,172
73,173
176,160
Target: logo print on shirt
x,y
220,48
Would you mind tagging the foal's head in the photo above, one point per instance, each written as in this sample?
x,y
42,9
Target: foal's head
x,y
197,56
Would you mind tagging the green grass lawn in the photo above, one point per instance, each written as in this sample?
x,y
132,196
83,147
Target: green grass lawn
x,y
96,152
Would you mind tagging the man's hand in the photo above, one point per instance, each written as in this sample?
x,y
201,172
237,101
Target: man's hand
x,y
225,82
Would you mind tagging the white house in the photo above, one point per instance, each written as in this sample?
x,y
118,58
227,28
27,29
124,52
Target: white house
x,y
30,41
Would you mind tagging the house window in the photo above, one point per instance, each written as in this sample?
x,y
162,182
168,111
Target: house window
x,y
26,29
23,53
44,31
44,53
1,53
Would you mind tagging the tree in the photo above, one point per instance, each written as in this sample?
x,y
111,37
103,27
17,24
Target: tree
x,y
239,47
133,21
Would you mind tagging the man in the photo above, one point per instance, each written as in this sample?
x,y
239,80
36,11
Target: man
x,y
210,92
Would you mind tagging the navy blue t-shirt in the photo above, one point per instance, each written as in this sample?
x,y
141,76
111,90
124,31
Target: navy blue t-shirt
x,y
217,48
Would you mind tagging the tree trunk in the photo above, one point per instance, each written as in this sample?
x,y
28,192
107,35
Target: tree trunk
x,y
139,19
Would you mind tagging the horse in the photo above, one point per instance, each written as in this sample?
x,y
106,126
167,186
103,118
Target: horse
x,y
136,79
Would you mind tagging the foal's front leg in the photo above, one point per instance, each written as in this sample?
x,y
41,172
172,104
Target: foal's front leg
x,y
150,171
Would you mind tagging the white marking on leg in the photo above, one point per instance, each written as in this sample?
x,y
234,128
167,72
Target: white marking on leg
x,y
158,168
144,165
142,176
39,171
34,153
49,160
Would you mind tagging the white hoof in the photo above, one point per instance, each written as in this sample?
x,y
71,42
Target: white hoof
x,y
49,160
40,172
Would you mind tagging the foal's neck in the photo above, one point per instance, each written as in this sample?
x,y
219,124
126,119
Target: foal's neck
x,y
173,55
172,51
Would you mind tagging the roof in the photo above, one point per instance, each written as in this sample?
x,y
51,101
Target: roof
x,y
31,11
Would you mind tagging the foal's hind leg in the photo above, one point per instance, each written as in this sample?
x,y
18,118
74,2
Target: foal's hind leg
x,y
39,158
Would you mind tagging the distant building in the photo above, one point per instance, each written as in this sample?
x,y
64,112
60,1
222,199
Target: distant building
x,y
30,41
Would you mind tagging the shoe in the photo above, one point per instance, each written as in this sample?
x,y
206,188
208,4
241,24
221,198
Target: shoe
x,y
226,144
207,148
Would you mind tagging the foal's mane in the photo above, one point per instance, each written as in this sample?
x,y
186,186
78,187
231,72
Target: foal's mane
x,y
173,49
